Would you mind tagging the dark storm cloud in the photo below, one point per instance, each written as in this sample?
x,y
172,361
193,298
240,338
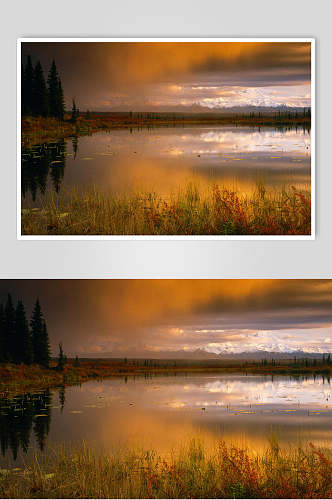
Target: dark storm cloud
x,y
133,315
102,75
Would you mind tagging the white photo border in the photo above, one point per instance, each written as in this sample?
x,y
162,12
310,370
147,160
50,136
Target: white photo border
x,y
310,40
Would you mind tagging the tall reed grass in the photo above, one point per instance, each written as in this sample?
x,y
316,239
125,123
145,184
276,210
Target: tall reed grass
x,y
190,211
192,471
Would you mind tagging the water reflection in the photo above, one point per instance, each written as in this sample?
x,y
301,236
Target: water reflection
x,y
164,411
22,416
163,159
40,164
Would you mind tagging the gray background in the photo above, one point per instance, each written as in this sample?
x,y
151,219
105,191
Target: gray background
x,y
153,259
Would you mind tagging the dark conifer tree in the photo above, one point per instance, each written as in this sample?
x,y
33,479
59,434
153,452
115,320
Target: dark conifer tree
x,y
28,78
2,334
23,92
36,325
40,340
40,97
53,90
60,101
46,351
23,337
9,330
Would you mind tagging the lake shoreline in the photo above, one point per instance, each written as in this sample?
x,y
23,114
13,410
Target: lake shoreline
x,y
20,379
36,130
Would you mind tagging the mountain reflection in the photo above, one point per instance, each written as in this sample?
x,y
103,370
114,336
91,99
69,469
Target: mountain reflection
x,y
126,409
163,159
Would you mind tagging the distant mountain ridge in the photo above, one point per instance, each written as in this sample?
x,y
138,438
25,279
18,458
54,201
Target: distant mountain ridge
x,y
197,108
202,354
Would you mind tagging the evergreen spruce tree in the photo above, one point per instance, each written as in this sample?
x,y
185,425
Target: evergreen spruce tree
x,y
23,92
23,338
28,78
39,91
9,330
53,91
2,334
40,341
46,351
61,101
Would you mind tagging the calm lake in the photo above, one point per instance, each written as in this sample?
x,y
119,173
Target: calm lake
x,y
163,411
162,159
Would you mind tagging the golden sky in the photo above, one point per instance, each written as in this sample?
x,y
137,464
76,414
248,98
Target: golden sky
x,y
154,317
179,75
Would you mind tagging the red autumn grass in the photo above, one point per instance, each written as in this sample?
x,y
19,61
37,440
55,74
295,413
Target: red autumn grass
x,y
192,471
190,211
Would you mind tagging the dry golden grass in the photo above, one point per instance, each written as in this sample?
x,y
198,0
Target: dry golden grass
x,y
192,471
190,211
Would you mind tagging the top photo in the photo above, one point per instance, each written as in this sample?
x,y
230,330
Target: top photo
x,y
165,138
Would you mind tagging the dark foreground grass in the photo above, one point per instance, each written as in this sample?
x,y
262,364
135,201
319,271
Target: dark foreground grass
x,y
190,211
192,471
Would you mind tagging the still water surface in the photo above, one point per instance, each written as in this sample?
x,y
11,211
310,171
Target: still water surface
x,y
163,412
166,158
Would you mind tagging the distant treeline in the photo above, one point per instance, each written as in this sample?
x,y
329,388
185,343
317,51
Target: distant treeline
x,y
41,98
21,341
324,359
287,114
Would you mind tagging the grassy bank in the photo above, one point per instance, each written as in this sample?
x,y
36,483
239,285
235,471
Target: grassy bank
x,y
19,379
190,472
190,211
38,129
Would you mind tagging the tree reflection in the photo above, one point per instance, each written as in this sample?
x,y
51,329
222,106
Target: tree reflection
x,y
22,415
41,162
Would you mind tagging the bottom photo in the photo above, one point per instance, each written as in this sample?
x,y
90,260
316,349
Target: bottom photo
x,y
166,388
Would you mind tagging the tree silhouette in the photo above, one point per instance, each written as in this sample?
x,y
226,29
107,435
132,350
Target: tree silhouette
x,y
23,338
37,98
74,112
27,88
61,359
2,334
60,101
9,330
39,92
55,93
17,343
40,341
46,351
